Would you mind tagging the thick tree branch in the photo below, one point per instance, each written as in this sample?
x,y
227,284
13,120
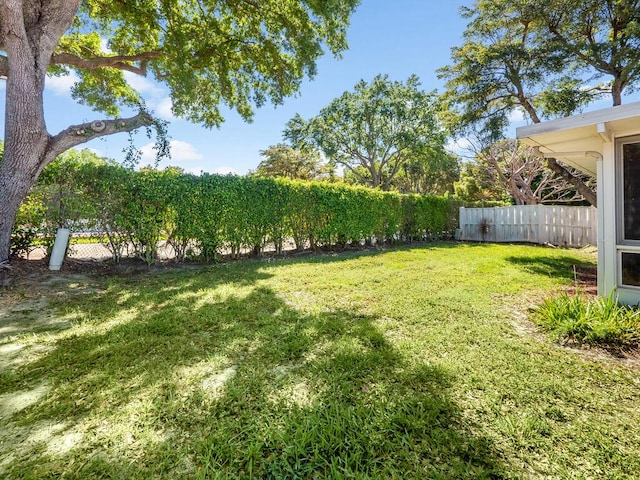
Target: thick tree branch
x,y
121,62
78,134
597,62
583,189
353,170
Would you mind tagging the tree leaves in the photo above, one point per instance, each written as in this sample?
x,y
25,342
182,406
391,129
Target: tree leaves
x,y
541,57
285,162
209,53
374,129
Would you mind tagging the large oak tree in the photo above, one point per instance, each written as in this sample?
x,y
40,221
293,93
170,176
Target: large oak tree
x,y
210,53
542,58
374,130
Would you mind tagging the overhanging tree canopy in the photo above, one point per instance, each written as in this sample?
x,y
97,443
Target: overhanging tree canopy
x,y
238,53
541,58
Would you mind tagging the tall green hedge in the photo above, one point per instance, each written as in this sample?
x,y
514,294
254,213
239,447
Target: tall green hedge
x,y
209,214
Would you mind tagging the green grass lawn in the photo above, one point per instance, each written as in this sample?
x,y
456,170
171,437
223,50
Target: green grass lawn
x,y
400,363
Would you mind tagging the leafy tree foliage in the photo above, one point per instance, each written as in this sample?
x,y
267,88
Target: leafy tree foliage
x,y
602,36
374,130
477,184
434,174
501,68
286,162
539,58
237,53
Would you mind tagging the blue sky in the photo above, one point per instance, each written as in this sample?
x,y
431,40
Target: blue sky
x,y
398,38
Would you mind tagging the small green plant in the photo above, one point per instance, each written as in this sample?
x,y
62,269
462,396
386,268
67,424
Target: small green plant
x,y
31,215
600,321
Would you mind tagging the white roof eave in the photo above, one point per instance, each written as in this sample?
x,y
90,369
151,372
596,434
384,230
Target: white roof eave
x,y
574,140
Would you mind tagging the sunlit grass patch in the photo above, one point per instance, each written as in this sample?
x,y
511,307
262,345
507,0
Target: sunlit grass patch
x,y
401,363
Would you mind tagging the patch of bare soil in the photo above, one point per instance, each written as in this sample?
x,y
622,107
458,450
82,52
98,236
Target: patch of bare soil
x,y
35,271
585,282
629,358
23,273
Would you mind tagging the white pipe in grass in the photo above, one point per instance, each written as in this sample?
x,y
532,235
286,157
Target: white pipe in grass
x,y
59,249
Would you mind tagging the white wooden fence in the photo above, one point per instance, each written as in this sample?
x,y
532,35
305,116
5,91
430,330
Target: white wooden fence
x,y
556,225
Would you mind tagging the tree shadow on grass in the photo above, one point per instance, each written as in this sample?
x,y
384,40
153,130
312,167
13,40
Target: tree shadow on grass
x,y
558,266
346,254
214,375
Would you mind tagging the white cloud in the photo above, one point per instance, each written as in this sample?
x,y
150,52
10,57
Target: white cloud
x,y
180,152
516,116
61,85
143,84
225,171
148,153
184,151
163,109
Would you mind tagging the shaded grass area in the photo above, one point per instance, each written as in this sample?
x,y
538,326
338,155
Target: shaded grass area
x,y
391,364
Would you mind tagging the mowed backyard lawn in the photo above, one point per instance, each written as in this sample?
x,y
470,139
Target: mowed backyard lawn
x,y
415,362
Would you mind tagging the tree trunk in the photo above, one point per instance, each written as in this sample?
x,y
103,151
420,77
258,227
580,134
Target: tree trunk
x,y
14,187
617,86
375,177
526,104
588,194
29,45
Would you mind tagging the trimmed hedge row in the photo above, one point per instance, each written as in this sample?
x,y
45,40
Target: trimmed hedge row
x,y
205,215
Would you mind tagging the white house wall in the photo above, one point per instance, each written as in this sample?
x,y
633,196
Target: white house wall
x,y
596,132
607,207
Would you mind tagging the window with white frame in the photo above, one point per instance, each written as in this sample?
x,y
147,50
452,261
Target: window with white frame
x,y
629,209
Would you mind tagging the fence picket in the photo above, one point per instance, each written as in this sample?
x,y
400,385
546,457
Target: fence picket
x,y
553,224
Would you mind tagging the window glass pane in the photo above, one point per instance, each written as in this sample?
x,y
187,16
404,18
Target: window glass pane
x,y
631,269
631,190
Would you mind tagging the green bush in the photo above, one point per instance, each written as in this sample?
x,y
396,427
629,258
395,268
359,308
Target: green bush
x,y
204,215
599,321
29,220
